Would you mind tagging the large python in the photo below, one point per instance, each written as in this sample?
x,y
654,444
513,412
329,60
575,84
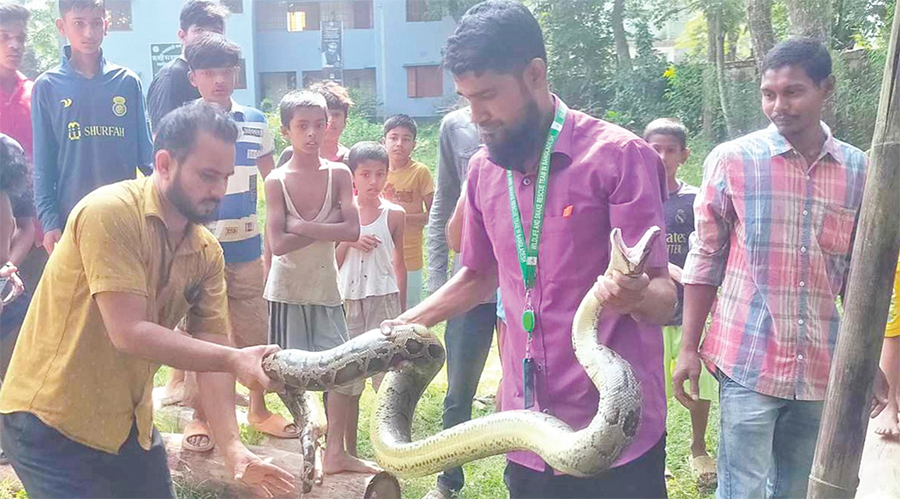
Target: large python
x,y
415,356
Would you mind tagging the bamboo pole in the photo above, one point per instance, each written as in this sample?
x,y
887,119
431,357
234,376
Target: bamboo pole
x,y
835,469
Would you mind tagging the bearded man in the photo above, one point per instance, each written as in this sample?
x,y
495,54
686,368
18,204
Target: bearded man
x,y
595,177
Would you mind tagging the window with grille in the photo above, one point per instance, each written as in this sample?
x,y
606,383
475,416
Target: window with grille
x,y
275,85
423,10
119,14
241,82
303,16
235,6
354,15
271,16
424,81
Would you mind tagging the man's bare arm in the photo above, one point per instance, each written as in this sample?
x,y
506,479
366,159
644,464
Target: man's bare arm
x,y
280,241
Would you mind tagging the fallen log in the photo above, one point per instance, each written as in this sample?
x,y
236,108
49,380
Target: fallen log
x,y
206,471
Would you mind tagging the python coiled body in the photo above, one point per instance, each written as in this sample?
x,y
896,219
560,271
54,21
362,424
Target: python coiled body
x,y
580,453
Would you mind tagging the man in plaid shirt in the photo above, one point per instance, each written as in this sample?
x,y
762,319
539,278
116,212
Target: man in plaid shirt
x,y
775,221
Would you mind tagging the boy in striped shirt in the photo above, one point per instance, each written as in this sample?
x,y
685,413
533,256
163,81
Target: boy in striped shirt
x,y
213,62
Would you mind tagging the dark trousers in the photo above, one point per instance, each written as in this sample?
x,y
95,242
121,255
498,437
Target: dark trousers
x,y
51,465
468,341
643,478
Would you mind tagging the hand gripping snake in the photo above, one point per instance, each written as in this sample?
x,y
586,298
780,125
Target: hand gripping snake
x,y
579,453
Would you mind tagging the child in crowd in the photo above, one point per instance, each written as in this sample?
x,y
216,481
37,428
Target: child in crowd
x,y
310,207
372,269
669,139
88,118
410,185
886,424
171,87
214,62
339,103
13,183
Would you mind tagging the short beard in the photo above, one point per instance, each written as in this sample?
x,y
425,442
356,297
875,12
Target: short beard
x,y
179,199
521,142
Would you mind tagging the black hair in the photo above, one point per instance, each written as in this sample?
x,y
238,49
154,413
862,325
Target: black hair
x,y
367,151
212,50
667,126
497,35
297,99
336,96
807,53
207,14
179,129
66,6
401,120
13,167
13,12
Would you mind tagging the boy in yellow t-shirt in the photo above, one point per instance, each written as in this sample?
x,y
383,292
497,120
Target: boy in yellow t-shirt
x,y
410,185
886,423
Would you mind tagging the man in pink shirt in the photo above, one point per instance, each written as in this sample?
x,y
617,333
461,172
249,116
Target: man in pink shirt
x,y
600,176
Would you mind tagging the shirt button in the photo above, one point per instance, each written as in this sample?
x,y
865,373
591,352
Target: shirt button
x,y
800,357
802,284
539,366
802,249
805,212
546,411
800,322
526,181
808,177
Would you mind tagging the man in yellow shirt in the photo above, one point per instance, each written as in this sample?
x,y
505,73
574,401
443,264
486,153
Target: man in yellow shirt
x,y
76,406
409,184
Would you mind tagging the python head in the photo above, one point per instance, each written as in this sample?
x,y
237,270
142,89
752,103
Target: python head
x,y
630,261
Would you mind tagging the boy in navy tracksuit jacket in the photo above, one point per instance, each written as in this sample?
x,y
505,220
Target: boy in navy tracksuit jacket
x,y
90,127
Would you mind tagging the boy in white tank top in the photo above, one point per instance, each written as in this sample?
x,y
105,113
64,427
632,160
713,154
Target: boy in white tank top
x,y
372,269
310,207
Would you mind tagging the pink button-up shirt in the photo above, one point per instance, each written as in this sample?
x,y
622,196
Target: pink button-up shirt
x,y
610,178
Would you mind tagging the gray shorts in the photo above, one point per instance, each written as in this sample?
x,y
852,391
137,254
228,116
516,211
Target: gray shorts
x,y
314,328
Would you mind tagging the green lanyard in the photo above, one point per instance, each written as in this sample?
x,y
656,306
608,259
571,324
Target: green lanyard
x,y
528,256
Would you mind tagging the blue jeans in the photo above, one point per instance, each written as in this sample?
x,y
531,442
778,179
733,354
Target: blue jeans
x,y
468,340
766,444
51,465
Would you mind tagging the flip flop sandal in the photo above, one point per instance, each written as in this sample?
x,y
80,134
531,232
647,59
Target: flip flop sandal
x,y
275,425
197,428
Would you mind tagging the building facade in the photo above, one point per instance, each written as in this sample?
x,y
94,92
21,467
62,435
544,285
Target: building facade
x,y
389,50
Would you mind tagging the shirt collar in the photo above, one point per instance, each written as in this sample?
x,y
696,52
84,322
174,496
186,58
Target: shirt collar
x,y
563,150
779,145
67,68
153,208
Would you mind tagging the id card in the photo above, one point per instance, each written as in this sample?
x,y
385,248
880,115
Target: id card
x,y
528,382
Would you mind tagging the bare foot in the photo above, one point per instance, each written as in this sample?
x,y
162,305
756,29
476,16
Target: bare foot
x,y
172,393
341,461
886,423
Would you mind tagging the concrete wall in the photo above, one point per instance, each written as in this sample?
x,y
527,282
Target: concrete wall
x,y
156,21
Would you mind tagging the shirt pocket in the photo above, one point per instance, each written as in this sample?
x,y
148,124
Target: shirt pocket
x,y
836,229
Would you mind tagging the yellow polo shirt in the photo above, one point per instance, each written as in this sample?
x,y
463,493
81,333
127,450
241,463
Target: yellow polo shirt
x,y
893,324
65,370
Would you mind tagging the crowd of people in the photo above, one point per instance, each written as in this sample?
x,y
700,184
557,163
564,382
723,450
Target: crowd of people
x,y
112,273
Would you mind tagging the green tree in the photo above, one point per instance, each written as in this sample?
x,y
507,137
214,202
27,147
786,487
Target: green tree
x,y
42,51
